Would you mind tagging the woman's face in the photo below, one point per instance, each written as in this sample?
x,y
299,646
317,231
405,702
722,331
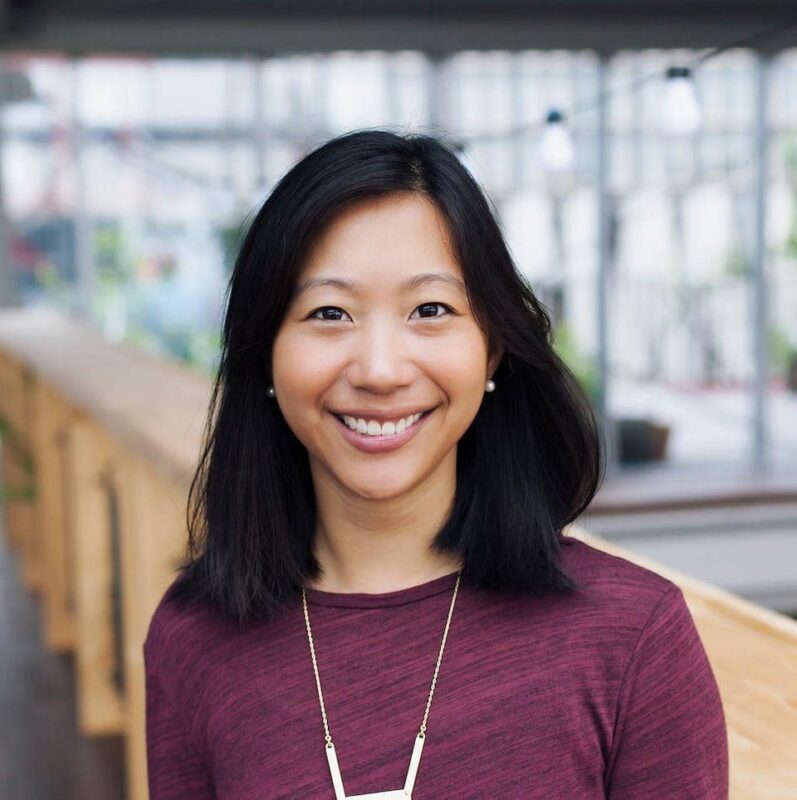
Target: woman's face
x,y
380,330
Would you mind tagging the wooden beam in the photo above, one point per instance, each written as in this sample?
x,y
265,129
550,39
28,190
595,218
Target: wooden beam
x,y
99,701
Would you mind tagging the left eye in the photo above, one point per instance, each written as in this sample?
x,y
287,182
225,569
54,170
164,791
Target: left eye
x,y
433,306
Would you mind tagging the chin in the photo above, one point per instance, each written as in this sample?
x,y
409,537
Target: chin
x,y
375,486
378,491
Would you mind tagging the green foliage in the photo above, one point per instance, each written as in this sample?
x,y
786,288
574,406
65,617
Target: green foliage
x,y
52,286
27,491
790,157
203,350
736,265
111,255
780,350
582,367
199,349
232,237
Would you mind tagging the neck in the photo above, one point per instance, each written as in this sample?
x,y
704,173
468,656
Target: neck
x,y
381,545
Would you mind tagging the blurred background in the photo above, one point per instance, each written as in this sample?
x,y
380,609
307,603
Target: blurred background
x,y
641,157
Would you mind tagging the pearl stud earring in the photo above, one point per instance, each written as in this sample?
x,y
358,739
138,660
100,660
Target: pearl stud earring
x,y
270,391
489,386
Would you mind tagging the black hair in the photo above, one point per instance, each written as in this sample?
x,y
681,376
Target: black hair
x,y
528,465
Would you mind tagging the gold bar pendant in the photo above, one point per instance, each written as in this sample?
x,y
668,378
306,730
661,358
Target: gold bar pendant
x,y
415,760
394,794
337,780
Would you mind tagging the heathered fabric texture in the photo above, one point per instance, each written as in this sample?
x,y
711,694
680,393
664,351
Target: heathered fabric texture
x,y
607,693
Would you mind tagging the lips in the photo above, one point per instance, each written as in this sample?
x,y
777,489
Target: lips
x,y
381,444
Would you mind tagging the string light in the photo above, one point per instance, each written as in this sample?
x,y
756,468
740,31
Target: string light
x,y
681,108
765,36
557,154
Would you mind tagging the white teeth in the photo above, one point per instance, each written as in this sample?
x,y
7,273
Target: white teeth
x,y
374,428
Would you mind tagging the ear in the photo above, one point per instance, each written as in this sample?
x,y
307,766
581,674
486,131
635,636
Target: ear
x,y
494,360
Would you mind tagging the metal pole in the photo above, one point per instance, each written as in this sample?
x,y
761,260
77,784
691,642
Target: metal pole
x,y
85,289
760,315
7,289
517,79
604,259
260,132
558,277
438,95
391,78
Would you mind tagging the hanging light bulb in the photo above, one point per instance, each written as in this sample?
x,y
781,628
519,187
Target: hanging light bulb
x,y
557,154
682,115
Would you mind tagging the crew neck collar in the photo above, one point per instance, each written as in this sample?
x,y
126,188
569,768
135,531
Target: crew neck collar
x,y
382,599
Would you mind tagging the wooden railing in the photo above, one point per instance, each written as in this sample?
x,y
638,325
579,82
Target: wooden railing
x,y
99,446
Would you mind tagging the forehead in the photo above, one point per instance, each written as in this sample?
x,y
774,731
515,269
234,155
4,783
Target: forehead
x,y
383,238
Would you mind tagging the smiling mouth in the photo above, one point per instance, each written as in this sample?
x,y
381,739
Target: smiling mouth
x,y
385,435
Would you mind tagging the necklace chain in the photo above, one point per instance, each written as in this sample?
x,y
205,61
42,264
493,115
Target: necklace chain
x,y
422,732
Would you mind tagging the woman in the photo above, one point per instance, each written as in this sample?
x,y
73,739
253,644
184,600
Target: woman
x,y
379,598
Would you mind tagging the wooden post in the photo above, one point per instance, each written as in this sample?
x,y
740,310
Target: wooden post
x,y
99,699
17,508
32,546
54,556
153,541
18,479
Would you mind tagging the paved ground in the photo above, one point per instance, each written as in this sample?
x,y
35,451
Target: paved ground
x,y
42,757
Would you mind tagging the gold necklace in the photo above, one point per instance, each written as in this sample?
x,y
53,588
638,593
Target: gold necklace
x,y
337,780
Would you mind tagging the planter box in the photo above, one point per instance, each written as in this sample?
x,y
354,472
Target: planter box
x,y
641,440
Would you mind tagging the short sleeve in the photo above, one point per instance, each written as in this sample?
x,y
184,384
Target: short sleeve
x,y
175,768
670,737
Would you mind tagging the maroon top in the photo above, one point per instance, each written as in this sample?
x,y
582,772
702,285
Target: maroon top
x,y
607,693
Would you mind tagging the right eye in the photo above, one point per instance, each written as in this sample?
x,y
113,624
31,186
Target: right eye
x,y
324,317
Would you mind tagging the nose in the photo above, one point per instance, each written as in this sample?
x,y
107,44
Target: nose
x,y
381,361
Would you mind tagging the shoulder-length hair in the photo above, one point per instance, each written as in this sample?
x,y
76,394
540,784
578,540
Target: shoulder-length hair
x,y
528,465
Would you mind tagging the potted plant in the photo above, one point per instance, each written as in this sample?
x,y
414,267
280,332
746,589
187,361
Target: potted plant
x,y
639,439
783,357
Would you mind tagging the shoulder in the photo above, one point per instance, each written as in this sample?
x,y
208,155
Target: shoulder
x,y
610,574
615,592
623,620
181,633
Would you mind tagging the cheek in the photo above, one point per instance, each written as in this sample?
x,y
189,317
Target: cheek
x,y
463,356
300,365
460,370
298,382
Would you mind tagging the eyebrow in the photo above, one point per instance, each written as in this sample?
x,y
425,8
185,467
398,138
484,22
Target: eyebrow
x,y
413,283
